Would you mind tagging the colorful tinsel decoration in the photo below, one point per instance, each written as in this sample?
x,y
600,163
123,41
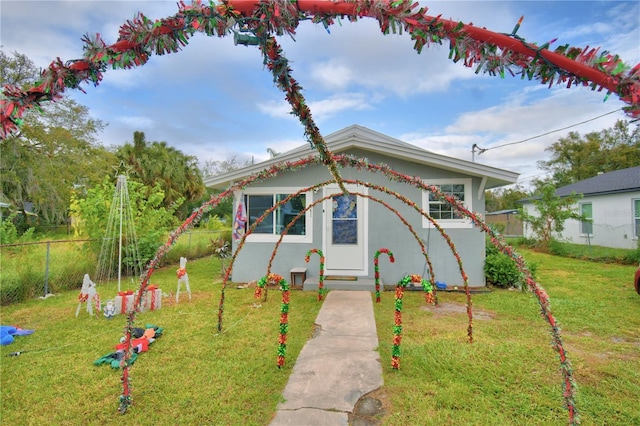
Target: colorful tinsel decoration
x,y
284,322
321,290
363,164
264,282
397,324
376,268
489,52
397,327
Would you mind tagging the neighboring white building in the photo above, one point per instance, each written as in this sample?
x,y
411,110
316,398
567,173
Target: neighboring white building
x,y
612,202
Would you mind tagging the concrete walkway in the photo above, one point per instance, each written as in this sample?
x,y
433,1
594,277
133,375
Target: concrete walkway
x,y
336,367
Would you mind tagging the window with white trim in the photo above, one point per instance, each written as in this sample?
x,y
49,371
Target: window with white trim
x,y
586,226
259,200
445,214
636,217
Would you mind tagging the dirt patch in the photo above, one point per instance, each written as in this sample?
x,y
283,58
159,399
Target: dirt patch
x,y
370,409
449,308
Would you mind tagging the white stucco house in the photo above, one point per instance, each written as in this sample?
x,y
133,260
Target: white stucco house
x,y
349,229
612,202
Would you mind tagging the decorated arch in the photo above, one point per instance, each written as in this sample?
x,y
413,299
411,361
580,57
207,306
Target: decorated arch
x,y
259,22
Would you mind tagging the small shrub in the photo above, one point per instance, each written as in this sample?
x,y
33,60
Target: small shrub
x,y
8,231
501,270
215,224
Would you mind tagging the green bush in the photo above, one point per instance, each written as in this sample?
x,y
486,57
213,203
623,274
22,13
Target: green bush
x,y
501,270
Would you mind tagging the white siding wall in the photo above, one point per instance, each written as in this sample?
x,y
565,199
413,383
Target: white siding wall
x,y
613,222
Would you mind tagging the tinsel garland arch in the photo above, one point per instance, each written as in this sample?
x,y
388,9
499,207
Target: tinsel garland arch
x,y
345,161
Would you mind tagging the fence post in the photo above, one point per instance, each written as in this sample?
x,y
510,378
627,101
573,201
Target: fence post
x,y
46,271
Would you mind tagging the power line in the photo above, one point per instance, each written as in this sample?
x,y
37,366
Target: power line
x,y
482,150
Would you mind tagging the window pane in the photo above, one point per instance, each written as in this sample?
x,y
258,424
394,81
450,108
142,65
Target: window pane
x,y
440,209
586,210
256,206
345,219
286,213
636,204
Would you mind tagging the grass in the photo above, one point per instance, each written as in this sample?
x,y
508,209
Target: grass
x,y
24,267
509,375
584,251
193,375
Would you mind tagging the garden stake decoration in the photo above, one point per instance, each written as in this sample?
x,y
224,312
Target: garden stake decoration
x,y
89,295
376,269
263,283
183,278
284,322
487,51
321,290
397,324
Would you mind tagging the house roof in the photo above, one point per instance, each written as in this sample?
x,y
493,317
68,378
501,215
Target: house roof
x,y
624,180
497,212
356,136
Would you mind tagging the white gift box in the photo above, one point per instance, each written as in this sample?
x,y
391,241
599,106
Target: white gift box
x,y
152,299
124,302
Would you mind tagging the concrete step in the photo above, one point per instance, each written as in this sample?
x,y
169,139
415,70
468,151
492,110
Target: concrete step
x,y
361,283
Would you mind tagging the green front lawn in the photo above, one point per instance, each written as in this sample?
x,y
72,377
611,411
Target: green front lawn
x,y
194,375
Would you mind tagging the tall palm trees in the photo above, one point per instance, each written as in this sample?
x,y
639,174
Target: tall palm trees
x,y
158,163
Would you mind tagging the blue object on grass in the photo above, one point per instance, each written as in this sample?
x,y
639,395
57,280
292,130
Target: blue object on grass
x,y
440,285
7,332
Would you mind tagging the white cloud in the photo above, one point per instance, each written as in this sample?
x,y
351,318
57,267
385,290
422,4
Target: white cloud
x,y
321,109
139,123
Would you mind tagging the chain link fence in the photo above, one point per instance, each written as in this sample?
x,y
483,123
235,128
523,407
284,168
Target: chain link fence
x,y
36,269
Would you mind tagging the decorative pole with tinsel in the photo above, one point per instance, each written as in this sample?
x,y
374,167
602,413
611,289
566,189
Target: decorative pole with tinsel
x,y
321,291
284,322
376,269
263,284
397,326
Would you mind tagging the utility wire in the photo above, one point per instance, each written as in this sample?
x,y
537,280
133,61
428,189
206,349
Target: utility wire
x,y
482,150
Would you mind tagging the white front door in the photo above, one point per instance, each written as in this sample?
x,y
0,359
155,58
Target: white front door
x,y
345,242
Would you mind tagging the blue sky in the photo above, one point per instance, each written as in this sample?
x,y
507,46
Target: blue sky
x,y
215,100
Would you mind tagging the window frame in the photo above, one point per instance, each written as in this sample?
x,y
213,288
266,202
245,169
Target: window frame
x,y
635,210
467,202
583,223
273,237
